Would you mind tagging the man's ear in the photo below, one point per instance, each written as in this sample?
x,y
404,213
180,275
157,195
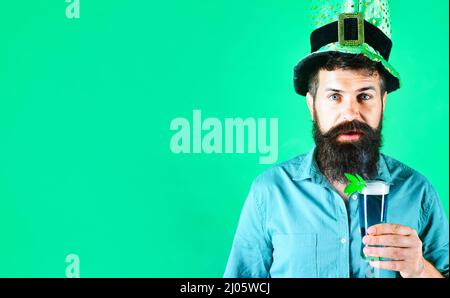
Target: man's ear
x,y
310,103
384,100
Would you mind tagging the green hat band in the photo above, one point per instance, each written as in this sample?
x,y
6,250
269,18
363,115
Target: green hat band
x,y
351,30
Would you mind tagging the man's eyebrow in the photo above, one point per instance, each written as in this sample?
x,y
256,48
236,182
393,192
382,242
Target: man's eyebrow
x,y
359,90
334,90
366,88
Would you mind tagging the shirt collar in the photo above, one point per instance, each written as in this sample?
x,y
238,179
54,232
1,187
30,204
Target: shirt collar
x,y
383,171
308,169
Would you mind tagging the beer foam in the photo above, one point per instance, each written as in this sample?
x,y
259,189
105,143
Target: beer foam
x,y
376,188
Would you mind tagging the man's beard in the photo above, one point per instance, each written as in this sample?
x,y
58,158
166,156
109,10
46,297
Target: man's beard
x,y
335,158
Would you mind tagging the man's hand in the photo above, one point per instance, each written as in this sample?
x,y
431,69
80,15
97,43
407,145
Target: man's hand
x,y
402,244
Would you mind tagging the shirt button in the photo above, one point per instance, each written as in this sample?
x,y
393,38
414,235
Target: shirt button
x,y
343,240
354,197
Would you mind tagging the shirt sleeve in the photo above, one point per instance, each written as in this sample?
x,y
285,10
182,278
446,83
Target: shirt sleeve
x,y
434,233
251,252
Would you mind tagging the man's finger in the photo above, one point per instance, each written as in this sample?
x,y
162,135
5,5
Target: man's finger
x,y
389,228
389,265
388,240
398,254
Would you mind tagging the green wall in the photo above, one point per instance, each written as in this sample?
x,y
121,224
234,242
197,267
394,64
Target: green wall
x,y
86,105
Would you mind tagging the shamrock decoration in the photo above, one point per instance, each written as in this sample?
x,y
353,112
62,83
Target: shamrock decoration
x,y
356,184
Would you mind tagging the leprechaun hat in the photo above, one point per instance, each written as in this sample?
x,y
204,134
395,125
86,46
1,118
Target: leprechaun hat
x,y
348,26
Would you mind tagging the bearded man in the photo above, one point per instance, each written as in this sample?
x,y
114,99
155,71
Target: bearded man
x,y
297,220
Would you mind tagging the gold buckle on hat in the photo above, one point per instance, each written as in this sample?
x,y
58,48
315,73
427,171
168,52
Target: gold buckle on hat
x,y
360,24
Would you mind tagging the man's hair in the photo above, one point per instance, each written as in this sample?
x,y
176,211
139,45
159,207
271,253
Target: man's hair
x,y
336,60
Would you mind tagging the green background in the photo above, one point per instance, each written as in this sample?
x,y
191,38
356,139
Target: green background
x,y
85,162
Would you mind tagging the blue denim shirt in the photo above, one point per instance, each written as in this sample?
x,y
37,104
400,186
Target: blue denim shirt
x,y
295,224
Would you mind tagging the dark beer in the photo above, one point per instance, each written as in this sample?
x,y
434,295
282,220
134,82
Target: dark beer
x,y
372,209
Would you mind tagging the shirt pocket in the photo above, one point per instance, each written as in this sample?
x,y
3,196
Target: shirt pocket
x,y
294,255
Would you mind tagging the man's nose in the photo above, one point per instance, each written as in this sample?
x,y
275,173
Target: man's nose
x,y
350,109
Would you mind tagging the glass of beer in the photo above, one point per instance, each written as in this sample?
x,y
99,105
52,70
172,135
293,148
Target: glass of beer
x,y
372,209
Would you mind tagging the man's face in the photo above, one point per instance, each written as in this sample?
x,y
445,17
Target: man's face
x,y
347,114
346,95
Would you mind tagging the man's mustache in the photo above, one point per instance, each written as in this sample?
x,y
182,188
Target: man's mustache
x,y
354,126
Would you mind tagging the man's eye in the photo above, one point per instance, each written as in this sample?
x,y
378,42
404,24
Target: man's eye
x,y
334,97
364,97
